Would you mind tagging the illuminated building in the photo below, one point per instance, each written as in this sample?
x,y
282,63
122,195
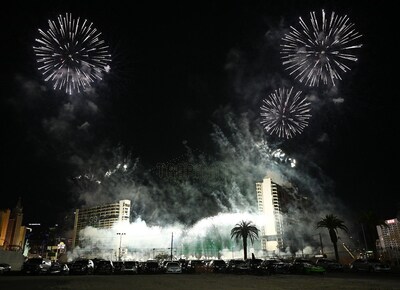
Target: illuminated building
x,y
102,216
4,218
389,235
12,233
269,205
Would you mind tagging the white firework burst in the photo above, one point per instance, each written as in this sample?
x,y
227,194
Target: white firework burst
x,y
320,51
285,113
71,55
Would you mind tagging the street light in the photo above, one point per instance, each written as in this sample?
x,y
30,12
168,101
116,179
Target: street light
x,y
172,244
320,241
120,242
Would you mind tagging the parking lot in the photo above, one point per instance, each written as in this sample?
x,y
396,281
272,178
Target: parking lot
x,y
204,281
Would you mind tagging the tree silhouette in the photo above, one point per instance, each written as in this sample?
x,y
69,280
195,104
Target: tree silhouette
x,y
332,224
244,230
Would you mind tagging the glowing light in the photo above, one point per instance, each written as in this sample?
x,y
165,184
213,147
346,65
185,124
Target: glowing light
x,y
285,114
321,50
71,54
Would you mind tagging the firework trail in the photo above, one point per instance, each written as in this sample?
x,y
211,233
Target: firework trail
x,y
321,50
201,207
285,114
71,54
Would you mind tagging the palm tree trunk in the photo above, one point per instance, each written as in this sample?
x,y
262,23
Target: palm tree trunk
x,y
245,247
336,251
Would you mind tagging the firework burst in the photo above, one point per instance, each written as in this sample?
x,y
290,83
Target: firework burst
x,y
321,50
71,54
285,113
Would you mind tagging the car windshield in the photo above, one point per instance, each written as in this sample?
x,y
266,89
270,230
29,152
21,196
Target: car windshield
x,y
104,263
219,262
235,262
34,261
81,262
194,262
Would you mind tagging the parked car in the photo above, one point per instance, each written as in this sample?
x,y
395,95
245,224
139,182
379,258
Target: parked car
x,y
151,267
264,268
5,268
104,267
237,266
36,266
82,266
195,266
173,267
131,267
370,265
184,264
58,268
275,266
216,266
329,264
163,265
305,266
253,265
119,267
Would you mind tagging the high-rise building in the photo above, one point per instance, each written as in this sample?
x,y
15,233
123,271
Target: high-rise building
x,y
103,216
389,235
269,205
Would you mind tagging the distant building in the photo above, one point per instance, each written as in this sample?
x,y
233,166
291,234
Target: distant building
x,y
4,219
269,205
277,203
102,216
12,232
389,235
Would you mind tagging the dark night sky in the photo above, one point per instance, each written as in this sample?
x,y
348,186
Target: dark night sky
x,y
169,78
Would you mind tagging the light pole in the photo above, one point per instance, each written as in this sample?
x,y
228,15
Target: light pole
x,y
172,244
365,242
320,242
120,242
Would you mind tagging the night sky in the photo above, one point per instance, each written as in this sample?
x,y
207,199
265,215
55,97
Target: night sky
x,y
175,69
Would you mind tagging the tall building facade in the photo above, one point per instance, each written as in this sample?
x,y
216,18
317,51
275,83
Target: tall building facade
x,y
389,235
102,216
269,206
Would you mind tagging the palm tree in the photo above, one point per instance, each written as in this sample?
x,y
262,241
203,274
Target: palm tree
x,y
332,224
244,230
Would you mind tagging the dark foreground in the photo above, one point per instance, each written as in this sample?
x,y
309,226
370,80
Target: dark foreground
x,y
202,281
